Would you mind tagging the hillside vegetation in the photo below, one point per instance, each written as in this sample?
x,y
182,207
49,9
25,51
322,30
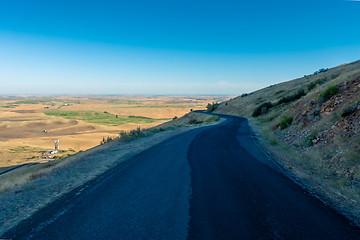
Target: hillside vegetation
x,y
311,125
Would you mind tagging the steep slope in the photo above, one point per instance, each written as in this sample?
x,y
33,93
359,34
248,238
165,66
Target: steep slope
x,y
311,125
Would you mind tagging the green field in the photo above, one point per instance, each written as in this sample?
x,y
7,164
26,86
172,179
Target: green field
x,y
25,102
101,118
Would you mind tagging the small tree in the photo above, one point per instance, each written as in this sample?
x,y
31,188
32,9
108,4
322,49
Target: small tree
x,y
212,107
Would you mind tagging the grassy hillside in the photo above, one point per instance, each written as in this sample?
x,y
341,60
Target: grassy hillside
x,y
311,125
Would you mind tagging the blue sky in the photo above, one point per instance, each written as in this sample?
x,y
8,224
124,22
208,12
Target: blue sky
x,y
170,47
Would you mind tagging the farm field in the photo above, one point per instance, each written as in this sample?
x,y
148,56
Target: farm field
x,y
29,125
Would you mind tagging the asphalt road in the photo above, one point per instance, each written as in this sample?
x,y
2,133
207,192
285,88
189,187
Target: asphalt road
x,y
208,183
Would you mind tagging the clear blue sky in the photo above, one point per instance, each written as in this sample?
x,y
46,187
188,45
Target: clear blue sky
x,y
170,47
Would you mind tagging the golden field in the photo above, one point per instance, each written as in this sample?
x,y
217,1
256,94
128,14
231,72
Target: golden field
x,y
29,125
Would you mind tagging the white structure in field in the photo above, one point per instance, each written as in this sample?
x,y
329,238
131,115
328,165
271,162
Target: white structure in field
x,y
56,144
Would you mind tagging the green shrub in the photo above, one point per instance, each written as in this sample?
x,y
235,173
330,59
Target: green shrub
x,y
285,122
335,75
133,134
212,107
291,98
195,121
319,81
262,109
329,92
274,142
280,91
321,70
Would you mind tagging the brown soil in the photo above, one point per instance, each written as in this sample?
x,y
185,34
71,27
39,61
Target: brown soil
x,y
32,130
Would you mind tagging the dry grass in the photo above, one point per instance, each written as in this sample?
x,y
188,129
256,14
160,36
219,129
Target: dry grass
x,y
25,174
80,123
322,156
31,172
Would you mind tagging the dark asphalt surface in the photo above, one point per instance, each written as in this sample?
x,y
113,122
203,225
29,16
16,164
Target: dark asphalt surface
x,y
208,183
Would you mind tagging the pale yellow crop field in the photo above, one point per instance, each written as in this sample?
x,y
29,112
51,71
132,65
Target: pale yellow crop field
x,y
29,125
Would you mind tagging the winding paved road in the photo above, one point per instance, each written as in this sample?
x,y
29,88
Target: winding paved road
x,y
208,183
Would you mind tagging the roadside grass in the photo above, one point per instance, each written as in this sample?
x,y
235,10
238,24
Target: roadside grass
x,y
189,119
25,174
214,118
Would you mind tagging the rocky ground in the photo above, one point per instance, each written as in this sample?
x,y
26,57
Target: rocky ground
x,y
332,127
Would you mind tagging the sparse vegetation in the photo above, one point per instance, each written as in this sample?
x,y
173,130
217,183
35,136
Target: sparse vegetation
x,y
335,75
285,122
195,121
349,109
25,148
280,91
335,117
317,82
133,134
328,93
291,98
274,141
262,109
214,118
353,155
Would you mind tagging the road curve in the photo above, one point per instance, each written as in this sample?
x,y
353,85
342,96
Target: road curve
x,y
208,183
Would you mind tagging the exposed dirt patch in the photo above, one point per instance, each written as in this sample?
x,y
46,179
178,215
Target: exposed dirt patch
x,y
31,130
